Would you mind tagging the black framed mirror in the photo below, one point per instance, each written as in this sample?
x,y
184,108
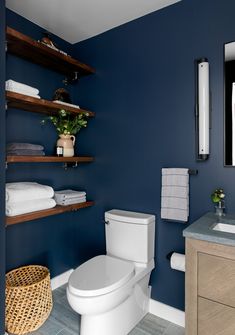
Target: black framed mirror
x,y
229,104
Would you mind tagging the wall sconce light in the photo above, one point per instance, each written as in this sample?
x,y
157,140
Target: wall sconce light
x,y
202,109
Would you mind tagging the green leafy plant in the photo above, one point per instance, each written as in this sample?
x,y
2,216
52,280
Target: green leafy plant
x,y
218,195
67,123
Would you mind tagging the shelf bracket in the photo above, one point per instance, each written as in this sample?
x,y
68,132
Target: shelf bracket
x,y
65,166
6,165
71,80
69,165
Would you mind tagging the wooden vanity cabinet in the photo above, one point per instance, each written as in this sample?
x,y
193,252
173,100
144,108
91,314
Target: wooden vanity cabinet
x,y
210,288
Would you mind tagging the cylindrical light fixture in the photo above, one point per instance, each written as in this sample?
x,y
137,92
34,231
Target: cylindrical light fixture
x,y
203,109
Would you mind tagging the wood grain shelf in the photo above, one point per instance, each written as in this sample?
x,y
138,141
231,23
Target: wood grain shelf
x,y
31,104
11,220
36,52
48,159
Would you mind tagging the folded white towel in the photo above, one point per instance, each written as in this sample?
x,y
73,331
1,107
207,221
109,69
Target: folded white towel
x,y
24,207
175,194
174,214
176,191
69,194
71,201
30,94
12,85
24,191
173,202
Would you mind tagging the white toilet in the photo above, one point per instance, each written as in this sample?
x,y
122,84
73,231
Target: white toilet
x,y
111,292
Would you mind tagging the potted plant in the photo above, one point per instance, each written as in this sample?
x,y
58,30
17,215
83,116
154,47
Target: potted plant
x,y
217,198
67,126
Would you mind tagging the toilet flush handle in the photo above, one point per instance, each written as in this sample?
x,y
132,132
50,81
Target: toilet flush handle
x,y
107,222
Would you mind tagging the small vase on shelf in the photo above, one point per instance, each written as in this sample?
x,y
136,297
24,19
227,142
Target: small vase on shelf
x,y
219,208
67,142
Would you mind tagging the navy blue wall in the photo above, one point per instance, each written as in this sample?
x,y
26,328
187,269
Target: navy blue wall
x,y
143,94
2,165
50,241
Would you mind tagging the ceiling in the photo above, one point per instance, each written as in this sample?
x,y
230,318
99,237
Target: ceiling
x,y
77,20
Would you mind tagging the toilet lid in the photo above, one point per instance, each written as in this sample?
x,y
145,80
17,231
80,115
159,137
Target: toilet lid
x,y
100,275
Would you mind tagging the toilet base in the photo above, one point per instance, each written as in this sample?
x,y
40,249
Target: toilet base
x,y
122,319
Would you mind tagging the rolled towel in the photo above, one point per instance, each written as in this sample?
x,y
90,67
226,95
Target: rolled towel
x,y
21,146
24,207
69,194
71,201
24,152
24,191
12,85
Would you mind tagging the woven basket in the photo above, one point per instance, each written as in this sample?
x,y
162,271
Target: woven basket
x,y
28,298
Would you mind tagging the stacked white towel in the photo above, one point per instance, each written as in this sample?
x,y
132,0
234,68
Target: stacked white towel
x,y
27,197
17,87
175,194
69,197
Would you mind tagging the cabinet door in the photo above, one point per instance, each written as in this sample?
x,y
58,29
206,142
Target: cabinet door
x,y
216,279
215,318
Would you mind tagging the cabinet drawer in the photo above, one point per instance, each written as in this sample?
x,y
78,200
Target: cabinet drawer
x,y
215,318
216,279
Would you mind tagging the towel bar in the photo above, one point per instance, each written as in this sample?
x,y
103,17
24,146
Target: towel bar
x,y
193,172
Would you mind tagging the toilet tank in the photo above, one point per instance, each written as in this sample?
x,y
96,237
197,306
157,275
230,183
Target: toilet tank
x,y
130,235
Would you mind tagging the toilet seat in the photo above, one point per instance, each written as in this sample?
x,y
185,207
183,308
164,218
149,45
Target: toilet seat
x,y
100,275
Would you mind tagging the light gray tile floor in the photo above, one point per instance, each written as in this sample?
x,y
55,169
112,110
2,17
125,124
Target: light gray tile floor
x,y
64,321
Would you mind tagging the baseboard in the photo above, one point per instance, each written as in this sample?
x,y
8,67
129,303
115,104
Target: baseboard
x,y
166,312
60,279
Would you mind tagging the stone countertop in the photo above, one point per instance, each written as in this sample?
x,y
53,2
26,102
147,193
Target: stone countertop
x,y
202,229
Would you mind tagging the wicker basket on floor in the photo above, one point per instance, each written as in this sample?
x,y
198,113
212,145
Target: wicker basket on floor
x,y
28,298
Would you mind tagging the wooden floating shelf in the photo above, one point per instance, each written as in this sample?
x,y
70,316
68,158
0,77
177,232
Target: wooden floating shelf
x,y
48,159
11,220
36,52
31,104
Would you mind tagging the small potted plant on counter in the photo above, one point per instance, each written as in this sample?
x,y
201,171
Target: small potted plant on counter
x,y
217,198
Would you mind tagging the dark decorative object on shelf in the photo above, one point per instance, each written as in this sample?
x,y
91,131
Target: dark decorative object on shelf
x,y
47,40
62,94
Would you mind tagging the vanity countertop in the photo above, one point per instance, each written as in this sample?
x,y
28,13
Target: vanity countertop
x,y
201,229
